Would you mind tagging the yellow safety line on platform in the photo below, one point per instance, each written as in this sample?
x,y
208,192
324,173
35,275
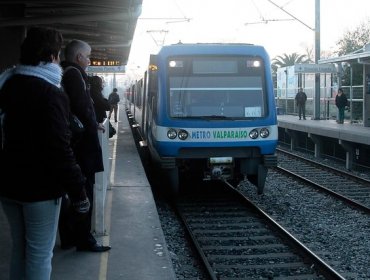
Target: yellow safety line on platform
x,y
103,269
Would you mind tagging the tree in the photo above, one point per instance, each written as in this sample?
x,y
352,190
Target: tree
x,y
350,42
354,40
288,60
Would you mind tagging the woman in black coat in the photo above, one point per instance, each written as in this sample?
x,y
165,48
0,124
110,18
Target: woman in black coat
x,y
341,102
101,104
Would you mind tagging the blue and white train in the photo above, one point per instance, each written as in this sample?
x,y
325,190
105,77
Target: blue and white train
x,y
207,112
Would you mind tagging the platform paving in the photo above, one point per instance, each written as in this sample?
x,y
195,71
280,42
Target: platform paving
x,y
350,132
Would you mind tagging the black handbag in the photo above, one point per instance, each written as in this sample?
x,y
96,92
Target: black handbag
x,y
112,130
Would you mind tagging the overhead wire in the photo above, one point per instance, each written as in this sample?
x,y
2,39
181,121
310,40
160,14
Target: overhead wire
x,y
263,19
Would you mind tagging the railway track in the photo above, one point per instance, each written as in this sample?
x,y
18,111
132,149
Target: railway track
x,y
236,239
343,185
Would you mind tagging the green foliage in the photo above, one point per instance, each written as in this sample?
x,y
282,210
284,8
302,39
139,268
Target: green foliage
x,y
355,39
357,75
350,42
288,60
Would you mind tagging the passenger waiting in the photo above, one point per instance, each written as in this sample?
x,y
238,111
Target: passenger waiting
x,y
37,162
77,232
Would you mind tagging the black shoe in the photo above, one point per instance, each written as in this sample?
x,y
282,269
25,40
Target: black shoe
x,y
304,118
93,248
299,118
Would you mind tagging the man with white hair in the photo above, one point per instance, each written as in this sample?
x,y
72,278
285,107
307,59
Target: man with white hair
x,y
76,231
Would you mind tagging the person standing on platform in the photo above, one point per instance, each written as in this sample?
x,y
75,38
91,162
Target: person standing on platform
x,y
113,100
341,102
101,104
76,232
36,160
300,100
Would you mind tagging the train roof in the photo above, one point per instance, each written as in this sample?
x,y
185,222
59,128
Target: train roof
x,y
212,48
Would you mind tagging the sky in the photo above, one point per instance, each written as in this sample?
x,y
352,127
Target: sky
x,y
259,22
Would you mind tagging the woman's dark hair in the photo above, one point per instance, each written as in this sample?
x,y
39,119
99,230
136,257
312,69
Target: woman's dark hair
x,y
39,45
96,82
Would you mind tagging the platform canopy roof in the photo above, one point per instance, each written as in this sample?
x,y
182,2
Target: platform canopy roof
x,y
107,25
361,56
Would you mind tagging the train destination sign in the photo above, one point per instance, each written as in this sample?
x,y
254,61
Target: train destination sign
x,y
314,68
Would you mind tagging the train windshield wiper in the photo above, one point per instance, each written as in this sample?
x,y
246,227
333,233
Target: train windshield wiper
x,y
213,117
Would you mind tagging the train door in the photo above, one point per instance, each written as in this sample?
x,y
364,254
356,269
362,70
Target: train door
x,y
144,100
152,81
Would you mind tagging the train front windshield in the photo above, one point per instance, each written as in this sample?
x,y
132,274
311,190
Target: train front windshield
x,y
217,87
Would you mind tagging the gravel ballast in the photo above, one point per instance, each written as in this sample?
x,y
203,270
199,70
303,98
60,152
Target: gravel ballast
x,y
337,233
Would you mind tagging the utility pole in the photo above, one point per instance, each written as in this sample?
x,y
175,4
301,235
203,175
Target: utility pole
x,y
316,107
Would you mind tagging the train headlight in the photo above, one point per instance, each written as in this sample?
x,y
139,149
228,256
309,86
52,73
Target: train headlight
x,y
264,132
175,63
171,133
253,134
183,134
256,63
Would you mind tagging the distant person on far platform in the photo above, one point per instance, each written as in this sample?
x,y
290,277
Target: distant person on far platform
x,y
113,100
341,102
301,99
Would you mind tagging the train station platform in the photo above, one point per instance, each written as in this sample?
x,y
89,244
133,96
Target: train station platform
x,y
352,137
133,229
354,132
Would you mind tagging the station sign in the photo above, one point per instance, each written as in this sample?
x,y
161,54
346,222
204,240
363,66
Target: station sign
x,y
314,68
106,69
